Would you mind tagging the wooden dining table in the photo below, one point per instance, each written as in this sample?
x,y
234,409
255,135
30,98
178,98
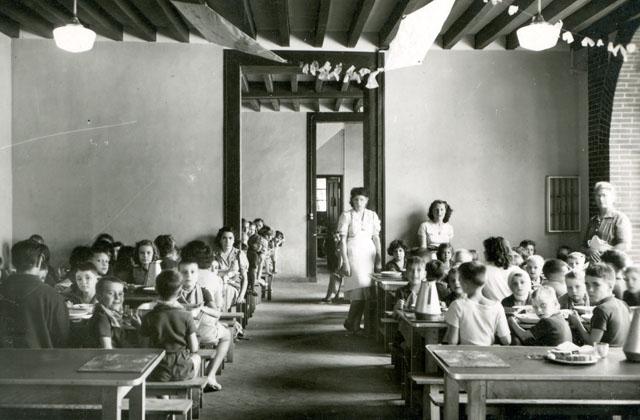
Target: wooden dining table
x,y
530,378
50,378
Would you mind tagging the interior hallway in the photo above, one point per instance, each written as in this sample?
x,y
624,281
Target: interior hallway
x,y
300,363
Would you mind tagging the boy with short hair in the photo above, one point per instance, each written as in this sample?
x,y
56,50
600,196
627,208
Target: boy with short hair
x,y
520,286
554,271
100,258
576,291
415,274
35,315
528,248
83,289
104,329
455,288
577,261
611,319
552,329
170,327
618,261
631,296
475,320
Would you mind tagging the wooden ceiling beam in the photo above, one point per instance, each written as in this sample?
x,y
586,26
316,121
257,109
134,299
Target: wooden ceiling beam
x,y
615,20
131,18
276,105
268,83
244,83
306,90
294,89
284,69
556,10
9,27
97,19
165,18
504,22
281,8
318,85
390,27
268,87
28,20
343,88
252,103
49,11
358,104
316,105
591,13
324,7
362,12
474,13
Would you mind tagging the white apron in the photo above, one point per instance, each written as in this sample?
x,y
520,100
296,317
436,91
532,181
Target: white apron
x,y
361,250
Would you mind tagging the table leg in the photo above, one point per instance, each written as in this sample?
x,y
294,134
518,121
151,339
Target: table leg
x,y
111,404
477,400
137,397
451,398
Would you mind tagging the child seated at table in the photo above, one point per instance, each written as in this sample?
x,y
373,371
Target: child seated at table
x,y
577,261
533,266
436,273
254,256
631,296
445,254
170,327
167,251
211,333
415,274
520,286
398,251
101,257
552,329
208,278
618,261
455,289
83,289
611,319
576,291
554,271
144,271
475,319
104,329
461,256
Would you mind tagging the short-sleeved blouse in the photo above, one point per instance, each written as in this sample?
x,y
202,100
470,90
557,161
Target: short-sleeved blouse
x,y
435,233
351,224
235,262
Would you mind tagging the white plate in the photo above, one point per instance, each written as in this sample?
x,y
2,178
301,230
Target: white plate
x,y
528,318
395,274
572,362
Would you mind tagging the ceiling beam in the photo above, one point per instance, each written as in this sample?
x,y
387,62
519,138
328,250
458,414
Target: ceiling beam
x,y
268,88
357,104
614,21
343,88
474,13
131,18
324,7
294,89
362,12
503,22
49,11
254,104
28,20
555,11
244,83
316,105
284,69
165,18
390,27
96,18
591,13
318,85
281,8
306,90
9,27
249,21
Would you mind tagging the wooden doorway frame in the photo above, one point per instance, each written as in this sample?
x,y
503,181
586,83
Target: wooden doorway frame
x,y
372,119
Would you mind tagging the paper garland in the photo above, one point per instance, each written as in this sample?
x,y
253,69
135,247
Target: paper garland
x,y
326,73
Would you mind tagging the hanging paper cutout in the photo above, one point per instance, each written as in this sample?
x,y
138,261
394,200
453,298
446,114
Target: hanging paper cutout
x,y
513,9
372,83
567,37
587,42
599,43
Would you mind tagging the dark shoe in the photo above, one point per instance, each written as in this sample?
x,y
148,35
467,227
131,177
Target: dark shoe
x,y
210,388
346,327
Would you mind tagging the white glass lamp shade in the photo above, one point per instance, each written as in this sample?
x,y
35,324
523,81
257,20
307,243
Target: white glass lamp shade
x,y
539,35
74,37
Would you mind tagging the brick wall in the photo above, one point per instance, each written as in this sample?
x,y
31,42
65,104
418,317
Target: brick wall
x,y
614,127
624,143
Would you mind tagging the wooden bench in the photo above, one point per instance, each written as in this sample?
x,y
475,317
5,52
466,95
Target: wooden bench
x,y
545,406
153,406
190,389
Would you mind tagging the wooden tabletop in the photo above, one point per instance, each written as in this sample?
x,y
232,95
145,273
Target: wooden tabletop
x,y
387,283
60,367
410,318
525,364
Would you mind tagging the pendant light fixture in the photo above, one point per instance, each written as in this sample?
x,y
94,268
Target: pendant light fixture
x,y
539,35
74,37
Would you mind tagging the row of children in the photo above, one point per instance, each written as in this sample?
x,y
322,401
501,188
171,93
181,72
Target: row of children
x,y
477,294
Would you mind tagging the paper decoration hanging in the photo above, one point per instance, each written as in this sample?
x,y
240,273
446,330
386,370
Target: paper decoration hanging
x,y
587,42
567,37
416,35
372,83
216,29
599,43
513,9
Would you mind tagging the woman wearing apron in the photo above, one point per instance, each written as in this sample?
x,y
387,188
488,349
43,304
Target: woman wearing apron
x,y
359,231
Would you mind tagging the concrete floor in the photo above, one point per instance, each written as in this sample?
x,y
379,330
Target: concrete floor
x,y
301,364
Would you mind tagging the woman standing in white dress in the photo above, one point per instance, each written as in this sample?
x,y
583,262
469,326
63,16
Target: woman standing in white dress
x,y
359,230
